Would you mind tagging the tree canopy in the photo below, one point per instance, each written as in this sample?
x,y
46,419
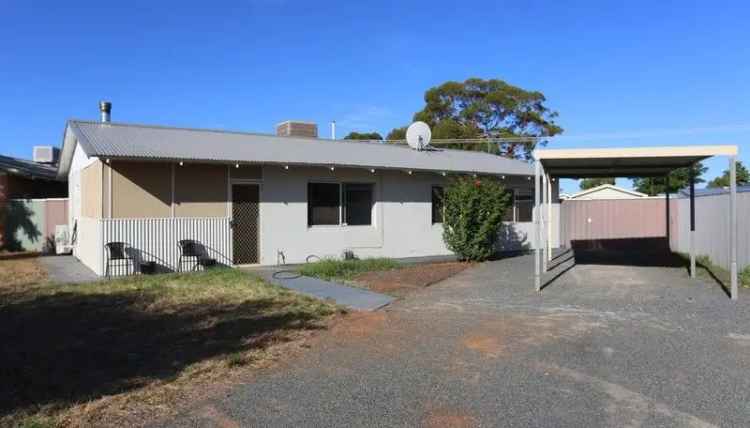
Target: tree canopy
x,y
677,179
478,108
590,183
743,177
354,135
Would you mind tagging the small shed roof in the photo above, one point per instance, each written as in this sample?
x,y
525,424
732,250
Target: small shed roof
x,y
27,168
128,141
625,162
602,187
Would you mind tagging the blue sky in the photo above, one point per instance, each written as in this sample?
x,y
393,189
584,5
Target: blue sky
x,y
619,73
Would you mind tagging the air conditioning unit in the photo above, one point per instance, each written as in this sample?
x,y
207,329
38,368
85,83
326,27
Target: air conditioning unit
x,y
46,154
62,240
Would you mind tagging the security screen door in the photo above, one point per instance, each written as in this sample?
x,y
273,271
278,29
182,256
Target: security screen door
x,y
245,223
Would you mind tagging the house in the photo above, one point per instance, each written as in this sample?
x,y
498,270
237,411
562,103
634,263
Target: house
x,y
25,188
606,191
252,198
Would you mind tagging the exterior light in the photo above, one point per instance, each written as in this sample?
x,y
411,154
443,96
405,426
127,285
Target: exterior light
x,y
372,170
333,168
409,172
502,177
443,173
236,165
107,160
286,166
181,163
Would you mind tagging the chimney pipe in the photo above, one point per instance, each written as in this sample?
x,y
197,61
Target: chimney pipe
x,y
333,130
105,108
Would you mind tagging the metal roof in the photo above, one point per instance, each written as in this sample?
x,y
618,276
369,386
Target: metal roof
x,y
130,141
625,162
27,168
711,191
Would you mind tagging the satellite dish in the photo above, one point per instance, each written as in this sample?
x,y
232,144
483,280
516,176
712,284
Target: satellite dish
x,y
418,135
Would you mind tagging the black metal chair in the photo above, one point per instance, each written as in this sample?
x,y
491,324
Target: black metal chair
x,y
193,250
116,253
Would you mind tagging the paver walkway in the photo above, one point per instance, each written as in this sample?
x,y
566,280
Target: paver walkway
x,y
350,297
67,269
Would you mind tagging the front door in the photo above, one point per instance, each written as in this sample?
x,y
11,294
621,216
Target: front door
x,y
245,223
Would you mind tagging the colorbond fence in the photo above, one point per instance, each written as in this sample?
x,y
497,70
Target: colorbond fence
x,y
712,228
29,224
593,222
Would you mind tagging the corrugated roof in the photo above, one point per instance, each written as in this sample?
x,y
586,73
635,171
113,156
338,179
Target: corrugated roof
x,y
115,140
711,191
27,168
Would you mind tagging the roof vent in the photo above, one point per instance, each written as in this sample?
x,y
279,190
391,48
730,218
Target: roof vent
x,y
46,154
293,128
105,108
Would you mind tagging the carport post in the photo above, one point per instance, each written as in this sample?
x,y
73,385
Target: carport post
x,y
733,222
669,216
545,220
550,224
692,222
537,226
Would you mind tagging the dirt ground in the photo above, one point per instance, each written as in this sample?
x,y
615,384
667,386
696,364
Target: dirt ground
x,y
400,282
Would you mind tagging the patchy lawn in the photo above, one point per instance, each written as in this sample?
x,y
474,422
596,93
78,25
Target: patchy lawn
x,y
383,275
123,352
345,270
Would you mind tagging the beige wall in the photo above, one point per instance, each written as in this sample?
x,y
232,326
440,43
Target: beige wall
x,y
91,190
201,190
141,189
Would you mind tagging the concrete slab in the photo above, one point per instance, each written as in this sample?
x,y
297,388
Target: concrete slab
x,y
350,297
67,269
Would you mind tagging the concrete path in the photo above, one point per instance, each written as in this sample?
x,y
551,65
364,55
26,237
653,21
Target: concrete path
x,y
603,345
67,269
350,297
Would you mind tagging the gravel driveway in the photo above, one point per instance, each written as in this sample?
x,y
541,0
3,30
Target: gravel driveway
x,y
603,345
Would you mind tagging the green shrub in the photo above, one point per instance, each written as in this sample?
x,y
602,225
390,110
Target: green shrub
x,y
745,277
473,214
346,269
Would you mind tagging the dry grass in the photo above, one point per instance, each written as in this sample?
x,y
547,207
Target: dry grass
x,y
18,272
123,352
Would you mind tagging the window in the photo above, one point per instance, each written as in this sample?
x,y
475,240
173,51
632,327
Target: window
x,y
323,202
509,212
358,204
437,204
327,201
524,208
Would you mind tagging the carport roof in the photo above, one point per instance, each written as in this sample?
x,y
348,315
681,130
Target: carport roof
x,y
625,162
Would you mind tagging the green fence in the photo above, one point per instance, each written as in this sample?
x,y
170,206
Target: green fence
x,y
29,224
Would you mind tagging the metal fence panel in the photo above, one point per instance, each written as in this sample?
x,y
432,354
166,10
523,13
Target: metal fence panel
x,y
155,240
597,220
712,228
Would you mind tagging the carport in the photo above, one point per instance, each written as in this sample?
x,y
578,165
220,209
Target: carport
x,y
552,164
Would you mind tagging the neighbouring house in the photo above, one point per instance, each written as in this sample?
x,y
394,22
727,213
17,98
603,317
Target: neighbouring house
x,y
606,191
30,200
250,198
